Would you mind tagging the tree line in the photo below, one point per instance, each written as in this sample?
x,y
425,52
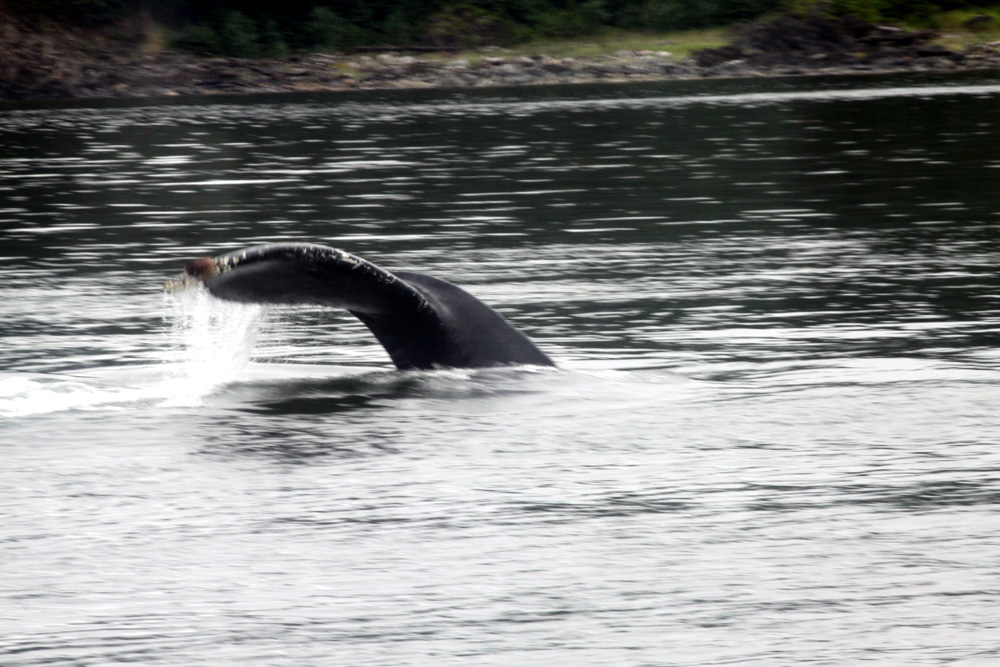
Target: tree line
x,y
262,28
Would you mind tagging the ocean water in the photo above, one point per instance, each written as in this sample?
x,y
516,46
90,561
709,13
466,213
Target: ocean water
x,y
772,436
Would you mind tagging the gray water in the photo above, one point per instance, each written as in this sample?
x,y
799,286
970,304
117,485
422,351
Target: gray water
x,y
772,438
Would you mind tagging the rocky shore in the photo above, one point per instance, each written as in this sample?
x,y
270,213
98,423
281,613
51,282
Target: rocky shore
x,y
65,66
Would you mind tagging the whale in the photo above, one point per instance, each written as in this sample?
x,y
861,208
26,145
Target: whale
x,y
423,322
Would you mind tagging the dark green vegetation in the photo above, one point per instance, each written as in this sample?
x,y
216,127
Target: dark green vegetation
x,y
252,28
255,28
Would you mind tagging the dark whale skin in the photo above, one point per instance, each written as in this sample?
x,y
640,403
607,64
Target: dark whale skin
x,y
423,322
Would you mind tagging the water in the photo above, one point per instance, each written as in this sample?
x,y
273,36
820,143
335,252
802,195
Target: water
x,y
772,438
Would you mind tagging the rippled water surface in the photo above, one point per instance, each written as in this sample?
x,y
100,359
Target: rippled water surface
x,y
772,439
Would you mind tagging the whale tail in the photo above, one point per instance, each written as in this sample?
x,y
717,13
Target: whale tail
x,y
421,321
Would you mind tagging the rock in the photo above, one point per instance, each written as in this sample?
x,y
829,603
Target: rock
x,y
984,47
555,67
714,57
980,22
814,40
934,51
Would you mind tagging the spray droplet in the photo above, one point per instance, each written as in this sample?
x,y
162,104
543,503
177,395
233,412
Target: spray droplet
x,y
213,341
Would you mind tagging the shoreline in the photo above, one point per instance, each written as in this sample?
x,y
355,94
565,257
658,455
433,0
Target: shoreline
x,y
37,67
177,74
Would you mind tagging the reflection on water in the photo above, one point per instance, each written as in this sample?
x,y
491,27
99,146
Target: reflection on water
x,y
771,439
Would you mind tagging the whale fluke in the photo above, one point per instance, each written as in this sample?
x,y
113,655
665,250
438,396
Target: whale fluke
x,y
421,321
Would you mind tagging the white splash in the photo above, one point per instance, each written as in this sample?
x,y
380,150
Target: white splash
x,y
212,343
31,394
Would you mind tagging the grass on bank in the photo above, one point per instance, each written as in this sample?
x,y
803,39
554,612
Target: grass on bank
x,y
604,43
680,44
956,31
953,27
